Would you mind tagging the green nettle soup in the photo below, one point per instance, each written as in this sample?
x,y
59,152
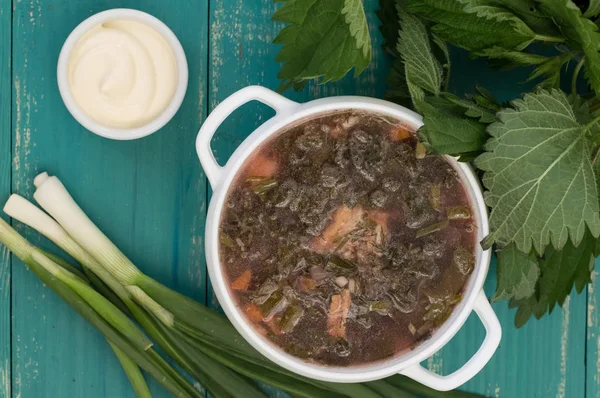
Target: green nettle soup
x,y
343,243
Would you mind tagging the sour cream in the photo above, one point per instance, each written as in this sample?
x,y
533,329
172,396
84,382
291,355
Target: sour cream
x,y
122,74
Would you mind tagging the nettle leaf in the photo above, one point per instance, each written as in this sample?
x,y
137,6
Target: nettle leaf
x,y
472,109
551,67
529,13
560,271
323,39
484,98
518,274
421,67
445,133
354,13
593,9
580,32
474,24
502,58
398,91
538,174
444,54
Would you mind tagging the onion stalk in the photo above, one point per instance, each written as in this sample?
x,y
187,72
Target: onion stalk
x,y
203,368
133,373
146,359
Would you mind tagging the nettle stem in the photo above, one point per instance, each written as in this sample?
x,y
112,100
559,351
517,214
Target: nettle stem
x,y
596,154
576,75
549,39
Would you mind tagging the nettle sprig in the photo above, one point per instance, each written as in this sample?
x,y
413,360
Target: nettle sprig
x,y
538,155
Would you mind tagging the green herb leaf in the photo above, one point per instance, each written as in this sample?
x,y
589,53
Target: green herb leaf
x,y
357,20
580,32
443,57
444,133
398,91
560,272
518,274
528,11
474,24
323,39
484,98
511,58
593,9
421,67
472,109
539,175
550,70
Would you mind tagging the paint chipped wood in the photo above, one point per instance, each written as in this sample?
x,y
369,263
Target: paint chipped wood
x,y
150,196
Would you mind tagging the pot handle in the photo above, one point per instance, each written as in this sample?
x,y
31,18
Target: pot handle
x,y
279,103
475,364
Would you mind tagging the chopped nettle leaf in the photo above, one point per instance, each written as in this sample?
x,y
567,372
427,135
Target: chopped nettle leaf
x,y
473,24
559,272
323,39
518,274
581,33
421,67
539,176
445,133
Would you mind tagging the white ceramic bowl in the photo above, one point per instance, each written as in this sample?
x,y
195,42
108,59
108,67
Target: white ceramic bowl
x,y
407,364
80,115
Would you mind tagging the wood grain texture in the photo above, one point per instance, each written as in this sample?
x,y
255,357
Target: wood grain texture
x,y
150,196
5,162
147,195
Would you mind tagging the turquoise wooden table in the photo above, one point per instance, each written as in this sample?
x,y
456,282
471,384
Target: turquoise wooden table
x,y
151,197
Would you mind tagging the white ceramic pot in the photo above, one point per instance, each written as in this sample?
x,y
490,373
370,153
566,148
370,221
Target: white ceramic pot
x,y
407,364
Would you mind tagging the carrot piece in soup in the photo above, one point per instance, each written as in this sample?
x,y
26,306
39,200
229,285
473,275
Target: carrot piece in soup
x,y
338,314
400,133
243,281
272,324
253,313
344,221
261,166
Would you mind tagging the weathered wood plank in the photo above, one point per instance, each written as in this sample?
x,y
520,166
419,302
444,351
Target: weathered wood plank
x,y
593,337
545,358
148,195
5,161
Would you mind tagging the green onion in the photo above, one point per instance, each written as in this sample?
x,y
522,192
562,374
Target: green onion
x,y
147,360
205,370
432,228
265,186
54,198
133,373
99,303
436,193
458,213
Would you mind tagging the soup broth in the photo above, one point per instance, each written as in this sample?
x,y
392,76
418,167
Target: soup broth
x,y
343,243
